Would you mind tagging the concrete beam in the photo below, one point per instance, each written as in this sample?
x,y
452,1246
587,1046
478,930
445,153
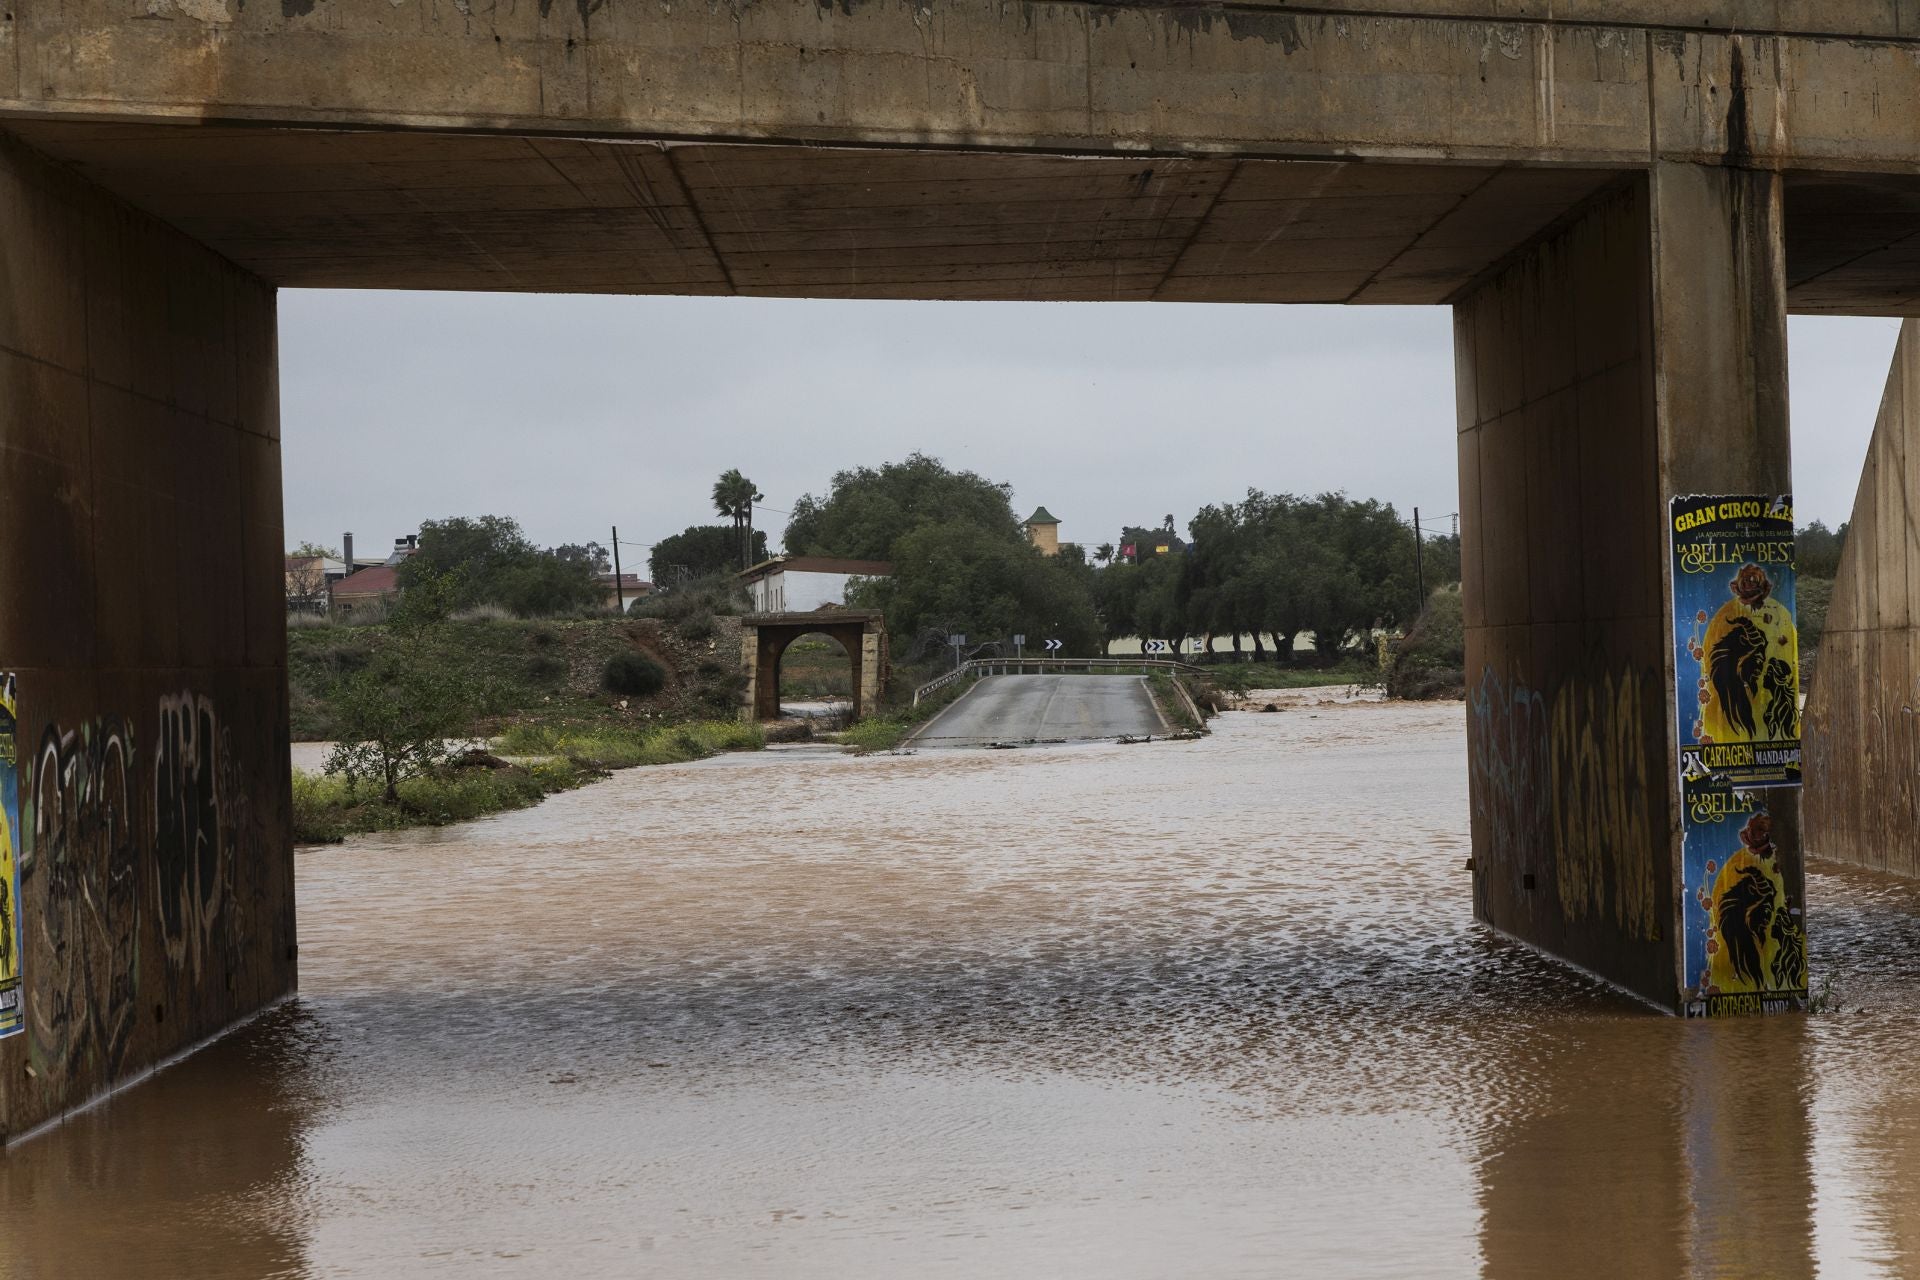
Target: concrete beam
x,y
1606,83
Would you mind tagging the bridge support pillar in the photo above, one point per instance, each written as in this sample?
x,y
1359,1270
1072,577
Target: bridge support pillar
x,y
1636,354
143,777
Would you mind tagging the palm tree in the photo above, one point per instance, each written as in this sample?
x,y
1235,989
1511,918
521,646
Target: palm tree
x,y
733,497
1104,552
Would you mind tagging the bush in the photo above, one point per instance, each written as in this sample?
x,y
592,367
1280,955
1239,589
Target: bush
x,y
623,748
327,809
546,668
1431,661
396,715
633,675
696,628
722,693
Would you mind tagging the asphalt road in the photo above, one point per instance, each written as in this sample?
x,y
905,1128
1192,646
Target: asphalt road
x,y
1044,708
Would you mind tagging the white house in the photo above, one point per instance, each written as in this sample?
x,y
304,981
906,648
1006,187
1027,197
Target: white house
x,y
801,584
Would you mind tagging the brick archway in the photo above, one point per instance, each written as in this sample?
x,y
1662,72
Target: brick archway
x,y
764,638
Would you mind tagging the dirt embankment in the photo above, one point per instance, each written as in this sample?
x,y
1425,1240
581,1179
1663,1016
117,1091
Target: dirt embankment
x,y
538,670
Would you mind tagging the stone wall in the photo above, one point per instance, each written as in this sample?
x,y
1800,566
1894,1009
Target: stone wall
x,y
141,613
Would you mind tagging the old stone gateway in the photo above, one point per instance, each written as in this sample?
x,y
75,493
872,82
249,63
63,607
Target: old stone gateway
x,y
764,638
1620,212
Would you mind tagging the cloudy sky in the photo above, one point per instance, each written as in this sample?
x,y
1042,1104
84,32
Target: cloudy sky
x,y
576,413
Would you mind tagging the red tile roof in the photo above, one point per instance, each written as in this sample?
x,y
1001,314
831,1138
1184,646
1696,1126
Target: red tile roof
x,y
382,579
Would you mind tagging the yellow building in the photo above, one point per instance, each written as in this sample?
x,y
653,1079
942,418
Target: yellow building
x,y
1043,531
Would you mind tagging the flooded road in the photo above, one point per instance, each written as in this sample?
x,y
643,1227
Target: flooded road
x,y
1211,1009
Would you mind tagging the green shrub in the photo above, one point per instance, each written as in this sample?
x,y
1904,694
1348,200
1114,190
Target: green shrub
x,y
1431,661
722,693
621,748
546,668
326,809
633,675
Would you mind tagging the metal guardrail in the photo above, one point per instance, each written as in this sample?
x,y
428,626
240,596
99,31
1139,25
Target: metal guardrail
x,y
977,667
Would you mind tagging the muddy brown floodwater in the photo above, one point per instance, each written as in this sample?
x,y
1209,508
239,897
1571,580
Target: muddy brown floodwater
x,y
1196,1009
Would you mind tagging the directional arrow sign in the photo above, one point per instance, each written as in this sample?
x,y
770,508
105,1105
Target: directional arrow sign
x,y
1156,646
1054,646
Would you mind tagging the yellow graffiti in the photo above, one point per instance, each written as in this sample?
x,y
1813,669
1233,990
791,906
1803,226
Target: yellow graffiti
x,y
1603,797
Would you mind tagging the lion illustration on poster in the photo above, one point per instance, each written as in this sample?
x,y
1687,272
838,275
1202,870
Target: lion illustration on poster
x,y
1755,941
1751,658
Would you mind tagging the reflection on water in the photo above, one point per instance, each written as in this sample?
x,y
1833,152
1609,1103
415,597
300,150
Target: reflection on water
x,y
1212,1008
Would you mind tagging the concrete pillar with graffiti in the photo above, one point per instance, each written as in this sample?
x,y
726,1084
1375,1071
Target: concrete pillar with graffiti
x,y
144,810
1635,357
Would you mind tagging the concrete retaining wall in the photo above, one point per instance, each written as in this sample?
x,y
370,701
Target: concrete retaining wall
x,y
1863,733
141,611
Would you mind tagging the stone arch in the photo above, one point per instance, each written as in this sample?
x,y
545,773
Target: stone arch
x,y
764,638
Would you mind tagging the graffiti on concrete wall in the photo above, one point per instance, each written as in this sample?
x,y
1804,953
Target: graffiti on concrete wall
x,y
81,869
95,830
1566,782
1511,784
1603,798
194,828
12,837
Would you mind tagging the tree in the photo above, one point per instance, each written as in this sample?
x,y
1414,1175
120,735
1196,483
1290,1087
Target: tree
x,y
1818,549
591,554
1104,553
868,510
307,576
1116,596
702,550
733,497
962,577
399,713
492,562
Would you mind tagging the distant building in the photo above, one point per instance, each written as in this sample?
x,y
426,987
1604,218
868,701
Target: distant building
x,y
375,586
630,587
1043,531
309,579
801,584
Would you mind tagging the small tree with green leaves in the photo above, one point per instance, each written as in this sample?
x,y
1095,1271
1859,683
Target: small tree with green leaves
x,y
398,714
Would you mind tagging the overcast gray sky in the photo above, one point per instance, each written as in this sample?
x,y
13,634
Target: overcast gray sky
x,y
575,413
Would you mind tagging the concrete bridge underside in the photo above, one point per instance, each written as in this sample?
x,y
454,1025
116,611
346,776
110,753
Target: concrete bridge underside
x,y
1621,200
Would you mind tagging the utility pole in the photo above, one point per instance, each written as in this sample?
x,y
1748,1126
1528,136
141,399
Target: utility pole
x,y
1419,559
619,588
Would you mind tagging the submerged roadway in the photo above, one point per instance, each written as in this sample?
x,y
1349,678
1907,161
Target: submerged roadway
x,y
1062,708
